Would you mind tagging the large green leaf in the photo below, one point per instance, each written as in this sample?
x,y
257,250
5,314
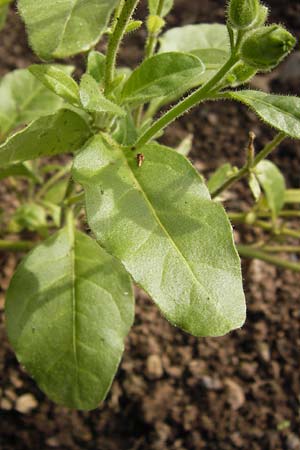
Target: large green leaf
x,y
159,220
273,184
64,28
68,310
279,111
162,75
62,132
208,41
24,98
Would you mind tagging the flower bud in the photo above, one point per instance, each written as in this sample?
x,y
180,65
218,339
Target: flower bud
x,y
155,24
266,47
242,14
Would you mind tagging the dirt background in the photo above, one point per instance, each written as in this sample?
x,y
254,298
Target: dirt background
x,y
173,391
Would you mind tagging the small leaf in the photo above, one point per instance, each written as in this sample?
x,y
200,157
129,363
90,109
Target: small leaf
x,y
167,6
64,28
185,145
57,81
18,170
279,111
93,100
273,184
96,65
219,177
24,98
159,220
162,75
254,186
62,132
68,309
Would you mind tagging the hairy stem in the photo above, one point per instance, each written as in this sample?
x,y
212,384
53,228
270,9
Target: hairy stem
x,y
246,251
115,40
201,94
244,171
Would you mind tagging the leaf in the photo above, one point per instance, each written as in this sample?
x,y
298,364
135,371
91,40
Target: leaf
x,y
68,310
153,7
65,28
56,193
24,98
57,81
210,42
159,220
219,177
62,132
279,111
162,75
254,186
93,100
18,170
273,184
185,145
96,65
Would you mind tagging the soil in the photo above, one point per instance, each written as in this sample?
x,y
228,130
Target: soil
x,y
174,391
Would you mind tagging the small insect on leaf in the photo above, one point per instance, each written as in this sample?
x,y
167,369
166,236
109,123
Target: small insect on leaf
x,y
140,159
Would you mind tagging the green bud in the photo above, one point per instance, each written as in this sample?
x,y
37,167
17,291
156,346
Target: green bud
x,y
133,26
155,24
266,47
242,14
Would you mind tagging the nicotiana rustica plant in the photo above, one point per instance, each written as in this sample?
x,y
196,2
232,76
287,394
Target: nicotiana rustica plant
x,y
154,220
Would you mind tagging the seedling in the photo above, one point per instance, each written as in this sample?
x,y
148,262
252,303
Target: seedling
x,y
128,209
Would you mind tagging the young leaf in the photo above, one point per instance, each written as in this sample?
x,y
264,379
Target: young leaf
x,y
279,111
219,177
273,184
64,28
62,132
18,170
254,186
93,100
57,81
88,297
159,220
153,7
96,65
162,75
24,98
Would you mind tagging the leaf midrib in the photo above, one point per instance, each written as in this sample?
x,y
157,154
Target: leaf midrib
x,y
153,211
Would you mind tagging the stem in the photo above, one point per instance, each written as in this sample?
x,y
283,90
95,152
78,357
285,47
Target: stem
x,y
246,169
53,180
152,39
246,251
115,41
178,110
281,249
240,218
15,246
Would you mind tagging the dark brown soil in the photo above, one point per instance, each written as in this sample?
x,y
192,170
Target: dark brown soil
x,y
174,391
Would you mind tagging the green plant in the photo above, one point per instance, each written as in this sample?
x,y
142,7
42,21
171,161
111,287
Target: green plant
x,y
152,217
